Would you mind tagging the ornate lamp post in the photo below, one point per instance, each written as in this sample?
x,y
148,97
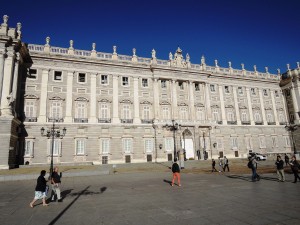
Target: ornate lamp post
x,y
174,127
53,133
292,129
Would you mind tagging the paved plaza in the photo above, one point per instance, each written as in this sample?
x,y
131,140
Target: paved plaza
x,y
147,198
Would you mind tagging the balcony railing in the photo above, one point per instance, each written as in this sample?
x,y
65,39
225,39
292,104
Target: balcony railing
x,y
126,120
246,122
282,123
271,123
220,122
57,120
30,119
81,120
101,120
232,122
146,121
259,123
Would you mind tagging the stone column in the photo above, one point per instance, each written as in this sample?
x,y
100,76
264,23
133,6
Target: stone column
x,y
6,96
93,101
174,100
207,101
115,118
43,99
236,106
295,104
223,112
69,97
136,105
274,107
2,57
192,101
285,106
156,107
262,107
250,106
16,76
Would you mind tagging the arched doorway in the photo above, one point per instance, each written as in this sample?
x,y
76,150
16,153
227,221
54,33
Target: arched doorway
x,y
187,144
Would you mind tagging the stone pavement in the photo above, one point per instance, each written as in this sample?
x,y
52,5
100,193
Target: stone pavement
x,y
147,198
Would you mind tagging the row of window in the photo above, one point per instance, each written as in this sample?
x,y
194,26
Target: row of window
x,y
56,111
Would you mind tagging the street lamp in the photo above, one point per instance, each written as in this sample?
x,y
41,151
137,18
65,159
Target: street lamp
x,y
174,127
292,129
53,133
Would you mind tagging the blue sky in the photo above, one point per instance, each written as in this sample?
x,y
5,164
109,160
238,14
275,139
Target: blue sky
x,y
256,32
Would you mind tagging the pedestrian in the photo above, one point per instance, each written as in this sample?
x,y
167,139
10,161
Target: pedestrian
x,y
280,171
176,173
226,164
220,162
213,165
253,165
56,182
286,159
295,166
40,189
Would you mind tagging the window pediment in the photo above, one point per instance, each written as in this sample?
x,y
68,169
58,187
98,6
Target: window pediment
x,y
215,106
255,108
199,105
31,97
145,103
56,98
126,101
81,99
182,104
164,103
229,106
104,101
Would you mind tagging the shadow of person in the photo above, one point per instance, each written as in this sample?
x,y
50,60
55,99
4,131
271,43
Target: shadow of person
x,y
103,189
65,193
246,178
168,181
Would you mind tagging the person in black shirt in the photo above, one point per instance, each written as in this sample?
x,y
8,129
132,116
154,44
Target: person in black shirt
x,y
176,172
55,181
280,171
286,159
40,189
213,166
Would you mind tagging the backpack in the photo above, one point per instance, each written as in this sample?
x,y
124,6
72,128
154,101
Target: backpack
x,y
250,165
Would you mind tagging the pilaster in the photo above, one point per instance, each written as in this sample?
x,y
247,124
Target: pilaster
x,y
115,118
2,56
250,106
136,105
93,105
16,76
156,99
223,112
174,100
262,106
69,97
236,106
274,107
43,100
207,101
295,104
192,101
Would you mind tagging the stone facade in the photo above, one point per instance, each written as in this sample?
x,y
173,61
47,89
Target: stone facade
x,y
118,108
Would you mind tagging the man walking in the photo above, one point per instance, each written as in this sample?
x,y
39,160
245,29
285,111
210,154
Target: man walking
x,y
55,181
280,171
226,164
220,162
213,166
176,172
286,159
253,165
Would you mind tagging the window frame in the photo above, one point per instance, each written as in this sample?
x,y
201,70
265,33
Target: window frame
x,y
55,76
79,76
83,144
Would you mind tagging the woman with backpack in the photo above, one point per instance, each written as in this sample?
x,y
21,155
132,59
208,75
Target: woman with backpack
x,y
295,166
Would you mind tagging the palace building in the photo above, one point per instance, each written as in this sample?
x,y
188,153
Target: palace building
x,y
120,109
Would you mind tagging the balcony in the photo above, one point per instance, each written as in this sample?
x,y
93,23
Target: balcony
x,y
259,123
220,122
232,122
30,119
81,120
126,120
102,120
271,123
246,122
146,121
282,123
56,120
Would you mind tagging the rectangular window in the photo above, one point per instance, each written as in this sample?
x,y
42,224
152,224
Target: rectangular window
x,y
105,146
104,159
181,86
149,145
212,88
183,113
215,114
248,143
200,113
163,84
287,141
56,110
244,116
226,88
276,94
165,113
125,81
262,142
81,110
253,92
240,91
32,73
230,116
80,147
126,112
104,79
146,112
57,75
81,77
169,145
127,145
56,147
104,111
234,143
274,141
257,117
145,82
28,148
265,92
30,109
197,87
